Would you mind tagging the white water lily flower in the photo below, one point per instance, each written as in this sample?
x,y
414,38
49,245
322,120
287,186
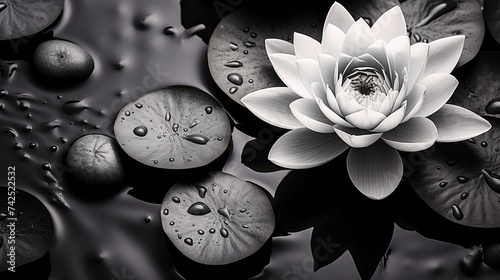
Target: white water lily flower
x,y
366,88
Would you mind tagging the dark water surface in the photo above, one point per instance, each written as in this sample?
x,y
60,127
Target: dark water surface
x,y
138,47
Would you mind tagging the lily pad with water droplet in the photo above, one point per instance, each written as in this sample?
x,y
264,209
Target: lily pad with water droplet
x,y
429,20
178,127
32,232
479,85
19,18
470,169
237,57
235,216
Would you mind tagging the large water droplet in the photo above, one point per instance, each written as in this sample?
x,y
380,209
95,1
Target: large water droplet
x,y
168,116
33,145
492,179
74,107
199,209
224,212
165,211
176,199
188,241
53,148
3,6
233,90
443,184
208,110
464,195
201,232
202,191
493,106
12,132
197,139
233,46
462,179
138,105
233,64
439,10
235,78
457,212
141,131
224,233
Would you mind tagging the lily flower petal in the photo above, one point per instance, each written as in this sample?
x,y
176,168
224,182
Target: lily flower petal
x,y
303,148
308,113
331,43
329,113
305,46
390,25
439,88
347,104
455,123
327,69
444,54
415,101
279,46
365,119
272,105
400,50
338,16
356,138
418,61
358,38
379,51
392,120
332,101
417,134
286,68
376,170
309,72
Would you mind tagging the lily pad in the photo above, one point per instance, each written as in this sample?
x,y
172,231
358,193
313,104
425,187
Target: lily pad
x,y
479,85
492,17
19,18
178,127
237,57
429,20
31,235
218,219
461,180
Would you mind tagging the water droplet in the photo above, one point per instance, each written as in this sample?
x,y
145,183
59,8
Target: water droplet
x,y
59,97
194,123
437,11
462,179
3,92
464,195
492,179
23,105
484,144
438,168
224,212
493,106
168,116
201,232
451,162
12,132
243,210
244,226
233,46
165,211
253,35
63,140
172,223
245,52
249,44
250,81
202,191
74,106
233,90
246,29
53,124
188,241
199,209
457,212
17,146
417,37
27,128
155,161
225,191
233,64
46,166
443,184
208,110
175,127
472,140
127,113
179,236
212,230
197,139
235,78
53,148
224,233
141,131
33,145
147,219
171,159
169,30
176,199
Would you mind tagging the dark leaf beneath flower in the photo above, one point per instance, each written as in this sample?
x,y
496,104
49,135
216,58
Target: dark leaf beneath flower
x,y
492,17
